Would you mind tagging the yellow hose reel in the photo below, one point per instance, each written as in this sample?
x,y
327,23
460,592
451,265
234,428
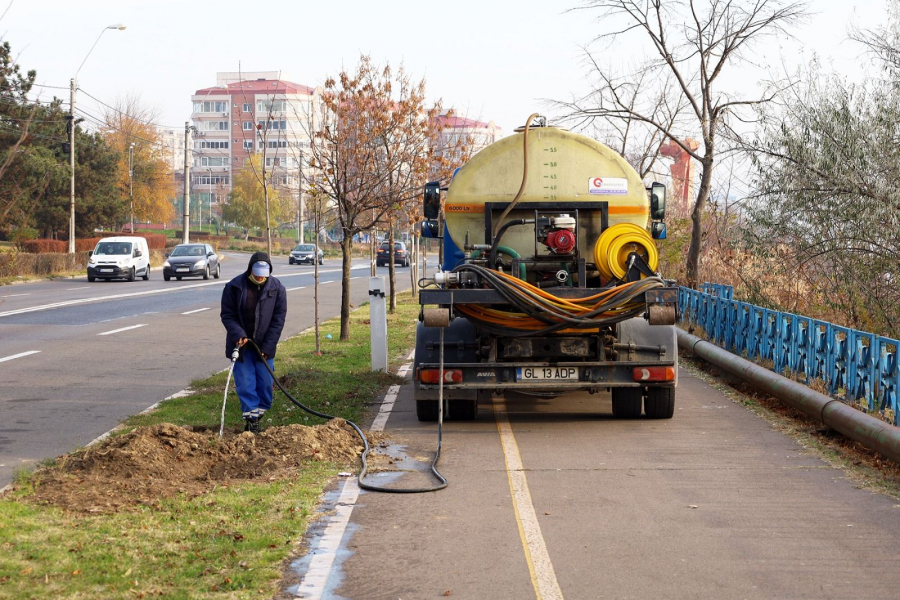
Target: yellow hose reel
x,y
616,243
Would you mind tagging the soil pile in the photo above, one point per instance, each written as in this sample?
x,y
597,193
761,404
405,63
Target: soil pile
x,y
151,463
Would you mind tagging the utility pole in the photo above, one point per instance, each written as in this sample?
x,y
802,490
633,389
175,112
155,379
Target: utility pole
x,y
72,165
131,181
186,236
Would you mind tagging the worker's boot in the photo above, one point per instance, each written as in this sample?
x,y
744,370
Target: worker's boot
x,y
253,425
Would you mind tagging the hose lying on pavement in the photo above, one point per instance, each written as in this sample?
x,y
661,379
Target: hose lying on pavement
x,y
362,436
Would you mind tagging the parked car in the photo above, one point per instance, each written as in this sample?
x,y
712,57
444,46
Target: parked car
x,y
191,260
401,255
304,253
119,258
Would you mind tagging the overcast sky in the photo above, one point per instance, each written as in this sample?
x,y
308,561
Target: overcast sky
x,y
491,59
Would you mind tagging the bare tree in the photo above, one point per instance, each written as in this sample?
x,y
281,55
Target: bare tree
x,y
693,43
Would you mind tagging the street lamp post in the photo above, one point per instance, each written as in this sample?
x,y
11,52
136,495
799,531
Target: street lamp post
x,y
72,86
131,181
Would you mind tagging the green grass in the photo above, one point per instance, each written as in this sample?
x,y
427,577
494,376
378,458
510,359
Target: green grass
x,y
228,543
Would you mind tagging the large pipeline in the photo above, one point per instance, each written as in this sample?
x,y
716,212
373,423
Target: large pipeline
x,y
865,429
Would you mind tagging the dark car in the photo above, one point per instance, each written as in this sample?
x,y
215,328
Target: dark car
x,y
191,260
304,253
401,255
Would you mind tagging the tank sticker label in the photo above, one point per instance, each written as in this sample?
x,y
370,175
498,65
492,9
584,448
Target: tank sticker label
x,y
608,185
463,208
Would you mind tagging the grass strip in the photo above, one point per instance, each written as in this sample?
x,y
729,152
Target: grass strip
x,y
228,543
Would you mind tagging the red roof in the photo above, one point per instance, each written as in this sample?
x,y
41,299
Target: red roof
x,y
461,122
271,86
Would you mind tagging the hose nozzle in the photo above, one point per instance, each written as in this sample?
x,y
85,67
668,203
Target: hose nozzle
x,y
235,353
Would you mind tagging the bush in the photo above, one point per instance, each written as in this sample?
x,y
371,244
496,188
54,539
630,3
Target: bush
x,y
155,241
43,246
85,244
23,234
13,264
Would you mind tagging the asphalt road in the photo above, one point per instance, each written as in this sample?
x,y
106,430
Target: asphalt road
x,y
76,358
714,503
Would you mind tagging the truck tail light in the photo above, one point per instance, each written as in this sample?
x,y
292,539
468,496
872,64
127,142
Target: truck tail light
x,y
434,375
654,374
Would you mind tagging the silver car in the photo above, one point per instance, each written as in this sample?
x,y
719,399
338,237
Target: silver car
x,y
304,253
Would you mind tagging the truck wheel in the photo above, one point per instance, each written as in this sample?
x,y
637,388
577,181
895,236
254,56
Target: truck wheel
x,y
463,410
660,403
626,402
131,274
146,275
427,410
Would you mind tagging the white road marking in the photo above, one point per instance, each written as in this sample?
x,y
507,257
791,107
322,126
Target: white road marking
x,y
316,578
14,295
19,355
190,312
313,583
165,290
87,287
302,287
543,576
122,329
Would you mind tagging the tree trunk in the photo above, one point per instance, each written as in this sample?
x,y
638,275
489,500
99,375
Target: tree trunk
x,y
692,266
392,271
346,248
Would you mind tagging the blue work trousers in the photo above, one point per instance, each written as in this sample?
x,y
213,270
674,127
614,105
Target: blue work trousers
x,y
253,384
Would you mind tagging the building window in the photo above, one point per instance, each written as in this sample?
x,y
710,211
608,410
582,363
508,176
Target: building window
x,y
274,125
248,107
213,126
277,144
280,161
212,179
213,145
210,107
210,161
248,125
248,145
273,105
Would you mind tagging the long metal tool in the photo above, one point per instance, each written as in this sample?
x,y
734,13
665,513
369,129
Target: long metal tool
x,y
873,433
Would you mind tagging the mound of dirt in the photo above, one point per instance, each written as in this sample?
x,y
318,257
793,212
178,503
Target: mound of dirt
x,y
151,463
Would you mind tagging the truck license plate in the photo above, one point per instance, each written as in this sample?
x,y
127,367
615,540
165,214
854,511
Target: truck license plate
x,y
182,270
546,373
106,270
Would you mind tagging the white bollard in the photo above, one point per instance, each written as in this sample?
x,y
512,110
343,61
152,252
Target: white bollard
x,y
378,323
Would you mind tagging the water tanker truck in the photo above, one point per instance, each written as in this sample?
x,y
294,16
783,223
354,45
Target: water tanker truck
x,y
548,281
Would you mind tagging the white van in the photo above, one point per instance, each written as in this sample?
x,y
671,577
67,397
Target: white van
x,y
119,258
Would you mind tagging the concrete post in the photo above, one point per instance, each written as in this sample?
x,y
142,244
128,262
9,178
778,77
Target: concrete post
x,y
186,222
378,323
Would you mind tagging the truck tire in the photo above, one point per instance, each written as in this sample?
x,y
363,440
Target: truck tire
x,y
427,410
626,402
660,403
463,410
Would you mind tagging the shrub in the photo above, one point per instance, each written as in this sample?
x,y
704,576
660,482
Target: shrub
x,y
13,264
155,241
85,244
23,234
43,245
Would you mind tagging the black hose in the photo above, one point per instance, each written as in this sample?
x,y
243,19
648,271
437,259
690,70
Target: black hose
x,y
495,243
362,436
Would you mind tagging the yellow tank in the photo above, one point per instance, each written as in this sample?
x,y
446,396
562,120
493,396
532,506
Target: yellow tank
x,y
562,167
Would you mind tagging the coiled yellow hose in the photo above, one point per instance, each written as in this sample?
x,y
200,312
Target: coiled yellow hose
x,y
616,243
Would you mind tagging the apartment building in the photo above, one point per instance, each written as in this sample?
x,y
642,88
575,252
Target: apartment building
x,y
458,134
242,115
171,148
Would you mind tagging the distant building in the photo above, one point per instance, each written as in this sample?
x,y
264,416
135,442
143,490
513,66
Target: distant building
x,y
459,134
244,114
171,148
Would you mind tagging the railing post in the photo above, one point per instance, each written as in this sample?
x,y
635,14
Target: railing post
x,y
378,323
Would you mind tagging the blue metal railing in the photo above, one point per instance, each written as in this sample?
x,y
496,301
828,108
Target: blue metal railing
x,y
854,366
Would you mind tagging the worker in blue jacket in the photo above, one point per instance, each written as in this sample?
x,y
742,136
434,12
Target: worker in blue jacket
x,y
254,307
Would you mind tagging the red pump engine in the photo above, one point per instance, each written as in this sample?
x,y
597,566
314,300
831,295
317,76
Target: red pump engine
x,y
561,241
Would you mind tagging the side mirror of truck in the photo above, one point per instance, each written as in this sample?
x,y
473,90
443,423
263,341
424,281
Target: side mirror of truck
x,y
431,206
90,252
430,229
658,230
657,201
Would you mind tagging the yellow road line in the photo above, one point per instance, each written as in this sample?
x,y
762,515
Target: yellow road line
x,y
543,577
